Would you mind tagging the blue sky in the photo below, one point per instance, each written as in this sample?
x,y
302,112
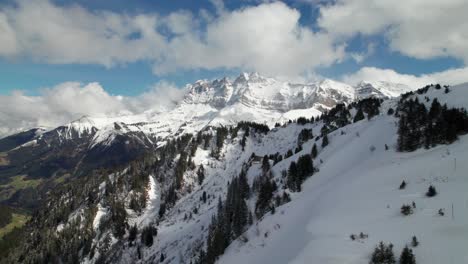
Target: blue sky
x,y
26,69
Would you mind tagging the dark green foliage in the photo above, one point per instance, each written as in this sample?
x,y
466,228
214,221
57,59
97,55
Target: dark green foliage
x,y
359,116
266,187
314,151
441,212
137,201
402,185
325,141
337,117
418,127
260,128
299,171
265,164
431,192
369,106
390,111
298,149
147,235
203,198
132,233
201,174
406,209
5,215
162,258
288,154
162,210
230,221
243,142
414,241
180,169
383,254
304,136
221,135
118,219
302,120
407,256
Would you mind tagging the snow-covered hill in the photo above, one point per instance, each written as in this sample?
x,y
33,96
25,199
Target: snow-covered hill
x,y
357,190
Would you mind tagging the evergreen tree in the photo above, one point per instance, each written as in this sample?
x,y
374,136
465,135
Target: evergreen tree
x,y
243,141
383,254
431,192
359,115
402,185
314,151
265,164
132,234
204,197
293,176
147,235
325,141
201,174
414,241
407,256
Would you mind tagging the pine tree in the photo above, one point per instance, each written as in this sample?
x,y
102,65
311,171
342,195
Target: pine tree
x,y
402,185
204,197
314,151
383,254
265,164
431,192
414,241
147,235
132,234
407,256
325,141
201,174
359,115
292,176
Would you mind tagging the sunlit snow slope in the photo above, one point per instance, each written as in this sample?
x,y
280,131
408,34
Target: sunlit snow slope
x,y
357,191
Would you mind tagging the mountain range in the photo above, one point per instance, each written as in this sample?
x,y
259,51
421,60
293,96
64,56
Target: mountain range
x,y
251,170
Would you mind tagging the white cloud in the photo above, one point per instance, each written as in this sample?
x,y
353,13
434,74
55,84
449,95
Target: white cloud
x,y
420,29
266,38
69,101
450,77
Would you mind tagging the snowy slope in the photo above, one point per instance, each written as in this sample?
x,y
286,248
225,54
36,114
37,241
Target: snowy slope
x,y
381,89
357,191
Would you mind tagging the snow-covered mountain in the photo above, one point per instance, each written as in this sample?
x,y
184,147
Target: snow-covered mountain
x,y
220,102
160,207
249,97
381,89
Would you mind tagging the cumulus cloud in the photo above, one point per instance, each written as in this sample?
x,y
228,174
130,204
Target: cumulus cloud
x,y
266,38
420,29
69,101
450,77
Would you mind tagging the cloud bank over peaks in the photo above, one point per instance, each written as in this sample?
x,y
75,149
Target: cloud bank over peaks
x,y
449,77
71,100
267,38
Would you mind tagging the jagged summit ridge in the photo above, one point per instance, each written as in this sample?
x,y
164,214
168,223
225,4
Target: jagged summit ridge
x,y
255,91
225,101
